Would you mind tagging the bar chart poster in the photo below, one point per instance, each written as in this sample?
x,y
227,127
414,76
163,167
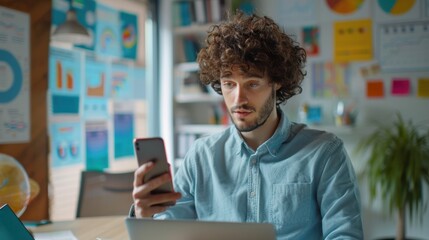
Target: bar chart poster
x,y
64,81
96,89
121,80
14,75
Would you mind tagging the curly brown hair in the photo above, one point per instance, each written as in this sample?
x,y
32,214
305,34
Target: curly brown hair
x,y
253,42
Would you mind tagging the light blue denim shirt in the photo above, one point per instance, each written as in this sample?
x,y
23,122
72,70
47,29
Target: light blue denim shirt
x,y
300,179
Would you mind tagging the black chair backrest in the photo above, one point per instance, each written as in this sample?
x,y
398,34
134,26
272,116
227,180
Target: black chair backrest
x,y
105,194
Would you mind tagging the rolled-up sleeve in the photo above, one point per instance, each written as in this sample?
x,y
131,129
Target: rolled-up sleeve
x,y
338,196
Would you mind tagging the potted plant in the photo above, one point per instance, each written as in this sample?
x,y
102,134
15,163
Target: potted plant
x,y
398,168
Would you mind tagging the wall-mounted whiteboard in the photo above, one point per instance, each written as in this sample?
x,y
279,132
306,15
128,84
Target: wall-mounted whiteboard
x,y
404,46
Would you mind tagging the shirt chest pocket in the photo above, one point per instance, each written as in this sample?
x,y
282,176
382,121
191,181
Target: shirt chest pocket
x,y
290,203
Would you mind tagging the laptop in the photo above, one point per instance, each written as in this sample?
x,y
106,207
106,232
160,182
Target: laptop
x,y
11,227
151,229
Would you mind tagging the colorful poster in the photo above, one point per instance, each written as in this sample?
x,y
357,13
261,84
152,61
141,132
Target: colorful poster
x,y
129,35
344,6
121,80
85,12
124,134
97,145
96,89
386,10
330,80
332,10
140,85
310,40
66,144
64,81
404,46
108,36
296,11
353,40
14,75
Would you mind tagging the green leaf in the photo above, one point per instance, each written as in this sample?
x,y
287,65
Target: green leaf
x,y
398,165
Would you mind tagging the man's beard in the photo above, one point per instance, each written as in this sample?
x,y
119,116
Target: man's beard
x,y
265,112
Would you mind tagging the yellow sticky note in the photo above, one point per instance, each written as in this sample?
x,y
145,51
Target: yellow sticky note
x,y
423,87
353,40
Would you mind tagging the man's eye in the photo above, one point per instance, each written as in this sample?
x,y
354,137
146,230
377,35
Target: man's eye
x,y
254,85
227,84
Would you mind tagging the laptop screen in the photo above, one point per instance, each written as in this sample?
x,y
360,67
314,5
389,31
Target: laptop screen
x,y
11,228
151,229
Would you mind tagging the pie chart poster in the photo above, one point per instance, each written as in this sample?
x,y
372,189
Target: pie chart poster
x,y
14,76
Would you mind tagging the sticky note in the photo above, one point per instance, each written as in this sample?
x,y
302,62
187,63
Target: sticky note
x,y
400,86
375,89
423,87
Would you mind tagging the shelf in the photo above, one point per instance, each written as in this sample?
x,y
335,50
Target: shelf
x,y
344,130
198,98
334,129
200,29
188,67
205,129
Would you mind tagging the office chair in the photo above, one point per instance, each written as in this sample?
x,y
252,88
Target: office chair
x,y
104,194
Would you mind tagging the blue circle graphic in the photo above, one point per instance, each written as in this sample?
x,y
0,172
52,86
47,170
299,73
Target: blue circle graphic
x,y
13,91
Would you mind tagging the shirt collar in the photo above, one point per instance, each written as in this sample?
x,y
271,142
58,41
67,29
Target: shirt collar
x,y
272,144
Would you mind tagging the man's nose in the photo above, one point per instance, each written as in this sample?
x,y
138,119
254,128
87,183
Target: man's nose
x,y
241,95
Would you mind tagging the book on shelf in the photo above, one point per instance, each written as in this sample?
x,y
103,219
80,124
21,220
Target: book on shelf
x,y
191,48
200,12
221,115
191,84
186,49
183,13
186,13
184,142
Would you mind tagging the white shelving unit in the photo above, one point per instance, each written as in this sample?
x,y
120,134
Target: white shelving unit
x,y
185,114
198,98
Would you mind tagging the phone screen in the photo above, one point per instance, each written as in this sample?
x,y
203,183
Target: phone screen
x,y
153,149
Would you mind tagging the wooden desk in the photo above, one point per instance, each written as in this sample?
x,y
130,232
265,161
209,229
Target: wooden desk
x,y
91,228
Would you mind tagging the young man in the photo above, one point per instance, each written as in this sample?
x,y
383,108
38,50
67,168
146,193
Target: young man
x,y
264,168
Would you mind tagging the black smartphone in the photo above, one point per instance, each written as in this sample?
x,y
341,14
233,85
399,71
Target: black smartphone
x,y
153,149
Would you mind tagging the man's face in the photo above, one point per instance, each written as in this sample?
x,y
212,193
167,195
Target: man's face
x,y
249,97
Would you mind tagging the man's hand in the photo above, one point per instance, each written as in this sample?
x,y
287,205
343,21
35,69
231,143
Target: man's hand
x,y
147,204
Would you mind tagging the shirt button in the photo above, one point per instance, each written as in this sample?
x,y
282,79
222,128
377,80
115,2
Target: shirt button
x,y
252,194
253,161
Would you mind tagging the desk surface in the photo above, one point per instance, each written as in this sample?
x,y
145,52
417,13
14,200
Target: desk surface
x,y
91,228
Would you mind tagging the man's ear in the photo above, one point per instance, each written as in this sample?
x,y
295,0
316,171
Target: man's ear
x,y
277,86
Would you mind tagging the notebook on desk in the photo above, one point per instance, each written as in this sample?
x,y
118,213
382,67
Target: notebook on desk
x,y
11,228
150,229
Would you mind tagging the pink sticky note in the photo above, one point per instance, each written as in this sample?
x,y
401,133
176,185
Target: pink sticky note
x,y
401,86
